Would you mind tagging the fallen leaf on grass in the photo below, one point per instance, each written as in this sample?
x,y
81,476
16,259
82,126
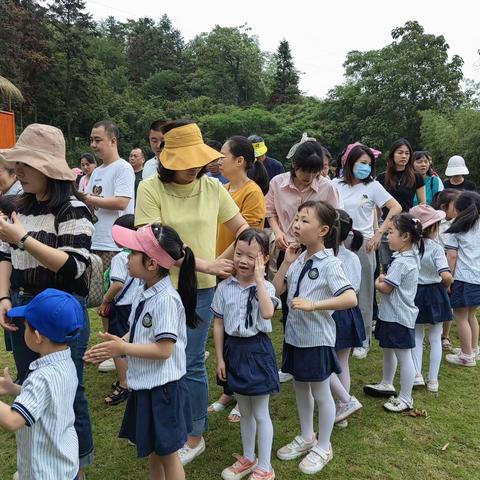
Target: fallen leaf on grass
x,y
445,447
416,413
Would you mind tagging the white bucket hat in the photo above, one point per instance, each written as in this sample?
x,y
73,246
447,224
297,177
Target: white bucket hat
x,y
456,166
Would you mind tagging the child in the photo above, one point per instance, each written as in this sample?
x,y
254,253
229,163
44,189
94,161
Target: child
x,y
431,299
445,201
243,306
316,286
350,331
397,313
463,254
48,449
117,305
157,417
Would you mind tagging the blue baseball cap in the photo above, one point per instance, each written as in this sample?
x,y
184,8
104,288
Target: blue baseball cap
x,y
55,314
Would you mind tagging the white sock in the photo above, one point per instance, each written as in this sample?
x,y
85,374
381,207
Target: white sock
x,y
435,338
407,373
326,412
248,426
389,365
305,406
417,352
264,429
340,384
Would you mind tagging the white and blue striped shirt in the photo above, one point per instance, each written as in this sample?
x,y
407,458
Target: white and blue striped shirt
x,y
468,257
230,302
47,448
119,273
325,279
398,306
162,317
351,266
433,263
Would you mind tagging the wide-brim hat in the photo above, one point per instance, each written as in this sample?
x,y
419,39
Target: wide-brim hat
x,y
260,149
427,215
41,147
184,149
456,166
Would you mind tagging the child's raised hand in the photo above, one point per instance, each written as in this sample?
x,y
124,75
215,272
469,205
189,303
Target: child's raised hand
x,y
293,252
7,385
111,347
302,304
221,371
259,272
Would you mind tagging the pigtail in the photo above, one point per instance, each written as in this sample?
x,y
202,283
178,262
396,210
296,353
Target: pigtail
x,y
332,240
346,223
357,240
468,206
419,231
187,287
260,176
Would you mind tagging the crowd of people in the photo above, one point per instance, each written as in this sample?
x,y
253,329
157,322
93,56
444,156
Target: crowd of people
x,y
205,233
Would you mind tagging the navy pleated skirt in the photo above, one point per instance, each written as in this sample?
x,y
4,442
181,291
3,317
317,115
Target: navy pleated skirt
x,y
350,328
394,335
465,294
118,319
433,304
310,364
251,365
158,420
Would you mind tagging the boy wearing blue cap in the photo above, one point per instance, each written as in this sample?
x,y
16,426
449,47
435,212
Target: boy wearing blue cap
x,y
42,414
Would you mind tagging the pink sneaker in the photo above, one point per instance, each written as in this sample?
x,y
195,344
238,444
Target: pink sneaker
x,y
242,467
261,474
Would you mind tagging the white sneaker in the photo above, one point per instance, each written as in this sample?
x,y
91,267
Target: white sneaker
x,y
315,460
476,352
360,352
296,448
419,381
432,386
379,390
397,405
284,377
346,409
342,424
107,366
461,359
188,454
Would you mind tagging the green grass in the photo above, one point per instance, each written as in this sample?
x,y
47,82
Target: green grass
x,y
376,444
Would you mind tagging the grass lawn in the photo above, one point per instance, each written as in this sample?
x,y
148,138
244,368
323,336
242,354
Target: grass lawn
x,y
376,444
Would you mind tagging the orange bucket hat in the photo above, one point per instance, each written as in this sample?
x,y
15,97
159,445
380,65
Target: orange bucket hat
x,y
41,147
184,149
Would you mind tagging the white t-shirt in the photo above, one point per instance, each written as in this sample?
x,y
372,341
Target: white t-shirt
x,y
114,180
360,200
150,168
119,273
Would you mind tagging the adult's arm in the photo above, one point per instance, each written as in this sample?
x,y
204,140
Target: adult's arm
x,y
236,225
108,203
394,208
421,195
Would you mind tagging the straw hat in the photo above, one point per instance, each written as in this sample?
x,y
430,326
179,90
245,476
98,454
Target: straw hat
x,y
41,147
184,149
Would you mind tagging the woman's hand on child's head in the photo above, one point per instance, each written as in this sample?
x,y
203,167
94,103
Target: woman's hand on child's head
x,y
7,385
303,304
293,252
259,272
221,371
111,347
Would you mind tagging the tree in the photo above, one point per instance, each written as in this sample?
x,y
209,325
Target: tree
x,y
285,82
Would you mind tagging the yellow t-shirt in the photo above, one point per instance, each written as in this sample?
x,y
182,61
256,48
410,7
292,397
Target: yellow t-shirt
x,y
193,210
251,202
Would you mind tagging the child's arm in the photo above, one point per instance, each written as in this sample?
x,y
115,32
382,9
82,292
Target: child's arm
x,y
115,288
10,420
218,337
291,254
382,286
452,255
447,279
344,301
265,304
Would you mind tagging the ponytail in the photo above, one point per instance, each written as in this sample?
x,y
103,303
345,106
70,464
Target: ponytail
x,y
468,207
187,287
346,222
357,240
260,176
407,223
332,240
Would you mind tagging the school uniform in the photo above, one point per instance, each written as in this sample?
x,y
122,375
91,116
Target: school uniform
x,y
350,330
248,352
309,347
466,287
157,417
47,447
397,312
432,299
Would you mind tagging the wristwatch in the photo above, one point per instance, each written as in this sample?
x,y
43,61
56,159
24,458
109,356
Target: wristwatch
x,y
21,243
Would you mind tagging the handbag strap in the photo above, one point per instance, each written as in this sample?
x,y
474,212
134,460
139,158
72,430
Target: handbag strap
x,y
124,291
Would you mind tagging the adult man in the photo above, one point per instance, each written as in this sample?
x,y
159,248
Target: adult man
x,y
272,166
155,137
136,160
111,189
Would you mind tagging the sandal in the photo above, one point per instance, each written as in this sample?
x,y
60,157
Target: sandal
x,y
216,407
119,395
234,416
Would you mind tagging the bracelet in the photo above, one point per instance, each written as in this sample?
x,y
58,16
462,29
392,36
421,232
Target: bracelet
x,y
6,298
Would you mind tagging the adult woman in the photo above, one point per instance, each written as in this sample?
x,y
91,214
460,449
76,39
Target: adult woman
x,y
88,164
422,164
9,184
46,246
361,195
182,196
401,181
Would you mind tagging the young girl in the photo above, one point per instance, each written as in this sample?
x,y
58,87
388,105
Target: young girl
x,y
157,418
316,286
431,299
350,331
463,254
243,306
397,313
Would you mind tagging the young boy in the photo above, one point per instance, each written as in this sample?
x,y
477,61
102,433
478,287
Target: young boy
x,y
42,414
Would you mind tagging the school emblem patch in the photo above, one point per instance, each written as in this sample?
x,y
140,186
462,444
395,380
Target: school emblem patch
x,y
313,274
147,320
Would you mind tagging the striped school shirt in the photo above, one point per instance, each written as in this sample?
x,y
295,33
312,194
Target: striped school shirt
x,y
351,266
71,232
433,263
119,273
162,317
325,279
231,303
398,306
47,447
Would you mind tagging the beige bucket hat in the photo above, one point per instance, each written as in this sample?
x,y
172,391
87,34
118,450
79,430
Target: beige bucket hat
x,y
41,147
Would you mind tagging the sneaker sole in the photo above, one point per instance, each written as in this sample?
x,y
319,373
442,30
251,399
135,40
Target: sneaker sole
x,y
311,471
397,411
474,364
281,456
239,476
373,392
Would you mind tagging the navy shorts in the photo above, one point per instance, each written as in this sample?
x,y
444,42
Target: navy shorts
x,y
118,319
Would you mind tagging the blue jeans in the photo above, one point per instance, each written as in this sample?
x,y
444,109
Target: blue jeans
x,y
197,380
24,356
